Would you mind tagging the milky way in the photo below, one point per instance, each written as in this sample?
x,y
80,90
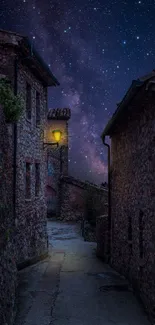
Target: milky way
x,y
95,49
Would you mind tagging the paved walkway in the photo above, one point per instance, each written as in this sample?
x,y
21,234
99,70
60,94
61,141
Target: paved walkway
x,y
72,287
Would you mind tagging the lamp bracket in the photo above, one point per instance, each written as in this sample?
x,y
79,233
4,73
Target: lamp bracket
x,y
46,144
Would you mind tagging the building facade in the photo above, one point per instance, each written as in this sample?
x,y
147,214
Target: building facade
x,y
30,77
132,188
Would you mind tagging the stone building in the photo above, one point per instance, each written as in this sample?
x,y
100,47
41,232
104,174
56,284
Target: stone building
x,y
57,161
30,77
80,199
132,188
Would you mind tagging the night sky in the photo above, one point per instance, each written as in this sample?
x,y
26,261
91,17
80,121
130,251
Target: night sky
x,y
95,49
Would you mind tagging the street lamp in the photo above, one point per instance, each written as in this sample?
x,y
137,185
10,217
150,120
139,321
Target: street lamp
x,y
57,134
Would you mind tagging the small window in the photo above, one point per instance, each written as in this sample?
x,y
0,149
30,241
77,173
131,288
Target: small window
x,y
28,181
37,179
129,228
28,101
141,234
37,108
130,233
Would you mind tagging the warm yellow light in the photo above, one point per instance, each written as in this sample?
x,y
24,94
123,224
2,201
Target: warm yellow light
x,y
57,135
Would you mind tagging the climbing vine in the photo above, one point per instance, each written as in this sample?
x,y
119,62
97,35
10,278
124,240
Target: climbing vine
x,y
12,105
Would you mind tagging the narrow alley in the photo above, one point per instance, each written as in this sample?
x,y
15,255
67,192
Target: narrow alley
x,y
73,287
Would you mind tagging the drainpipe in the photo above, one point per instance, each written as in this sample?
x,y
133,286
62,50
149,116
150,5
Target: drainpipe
x,y
15,141
109,203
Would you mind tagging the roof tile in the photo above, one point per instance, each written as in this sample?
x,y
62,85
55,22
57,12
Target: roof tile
x,y
59,114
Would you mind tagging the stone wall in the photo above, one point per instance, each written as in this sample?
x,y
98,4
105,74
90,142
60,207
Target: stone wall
x,y
52,189
31,212
31,233
8,270
133,196
75,197
23,233
102,237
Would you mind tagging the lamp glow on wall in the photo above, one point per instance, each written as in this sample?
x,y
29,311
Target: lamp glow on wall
x,y
57,134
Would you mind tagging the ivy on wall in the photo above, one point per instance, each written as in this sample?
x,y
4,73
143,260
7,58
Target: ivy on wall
x,y
12,105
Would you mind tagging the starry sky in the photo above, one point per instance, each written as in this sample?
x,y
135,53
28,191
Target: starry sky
x,y
95,48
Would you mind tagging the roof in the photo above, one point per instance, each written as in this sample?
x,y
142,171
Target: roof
x,y
38,60
132,91
30,56
83,184
59,114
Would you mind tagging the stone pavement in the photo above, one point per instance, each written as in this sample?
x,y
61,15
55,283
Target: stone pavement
x,y
73,287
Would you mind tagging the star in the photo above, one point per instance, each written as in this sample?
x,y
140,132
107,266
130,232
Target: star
x,y
95,62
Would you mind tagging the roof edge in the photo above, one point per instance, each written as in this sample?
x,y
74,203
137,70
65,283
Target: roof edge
x,y
23,43
126,99
28,44
59,114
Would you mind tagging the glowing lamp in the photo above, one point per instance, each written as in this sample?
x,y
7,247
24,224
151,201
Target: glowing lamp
x,y
57,135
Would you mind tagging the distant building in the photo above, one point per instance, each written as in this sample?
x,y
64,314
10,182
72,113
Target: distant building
x,y
57,158
132,187
30,76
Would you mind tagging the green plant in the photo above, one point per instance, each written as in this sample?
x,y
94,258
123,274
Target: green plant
x,y
12,105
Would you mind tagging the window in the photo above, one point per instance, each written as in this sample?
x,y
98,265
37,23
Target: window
x,y
130,233
28,101
37,108
50,168
28,181
37,179
129,228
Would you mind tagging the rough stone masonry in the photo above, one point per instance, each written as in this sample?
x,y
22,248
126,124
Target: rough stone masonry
x,y
132,171
24,234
